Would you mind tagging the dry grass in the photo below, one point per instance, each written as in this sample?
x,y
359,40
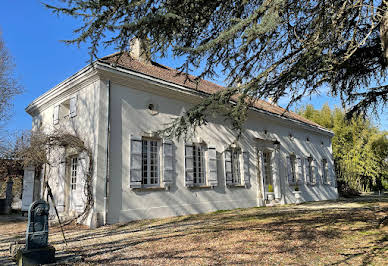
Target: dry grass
x,y
343,232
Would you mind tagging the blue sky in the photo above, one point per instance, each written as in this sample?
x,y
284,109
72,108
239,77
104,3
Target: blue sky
x,y
32,35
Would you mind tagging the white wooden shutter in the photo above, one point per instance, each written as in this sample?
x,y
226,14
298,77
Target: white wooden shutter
x,y
73,106
314,171
261,166
212,166
228,167
306,170
60,189
189,166
56,115
289,171
275,174
28,188
81,190
168,158
299,170
247,179
135,175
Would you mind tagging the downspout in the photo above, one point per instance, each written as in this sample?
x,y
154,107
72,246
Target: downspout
x,y
106,187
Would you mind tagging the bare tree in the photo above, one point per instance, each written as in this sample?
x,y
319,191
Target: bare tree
x,y
9,87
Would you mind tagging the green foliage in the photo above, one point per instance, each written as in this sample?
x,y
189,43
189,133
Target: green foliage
x,y
266,49
360,150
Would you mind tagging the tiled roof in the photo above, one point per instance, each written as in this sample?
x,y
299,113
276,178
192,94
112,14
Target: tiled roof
x,y
168,74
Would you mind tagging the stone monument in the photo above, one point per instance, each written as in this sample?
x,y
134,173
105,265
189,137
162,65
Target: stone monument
x,y
37,251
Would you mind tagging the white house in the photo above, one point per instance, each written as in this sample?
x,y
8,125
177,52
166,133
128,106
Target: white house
x,y
116,105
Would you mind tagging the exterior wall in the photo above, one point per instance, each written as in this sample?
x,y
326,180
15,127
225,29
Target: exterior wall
x,y
84,125
129,99
131,117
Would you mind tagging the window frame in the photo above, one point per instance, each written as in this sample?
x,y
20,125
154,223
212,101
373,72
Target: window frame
x,y
235,160
310,171
73,172
267,164
292,159
151,181
325,171
199,164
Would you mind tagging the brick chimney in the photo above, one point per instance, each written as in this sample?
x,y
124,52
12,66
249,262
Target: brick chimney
x,y
140,50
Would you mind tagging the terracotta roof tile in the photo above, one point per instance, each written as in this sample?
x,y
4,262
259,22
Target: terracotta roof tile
x,y
168,74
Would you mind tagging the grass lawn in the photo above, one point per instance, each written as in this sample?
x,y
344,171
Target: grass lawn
x,y
340,232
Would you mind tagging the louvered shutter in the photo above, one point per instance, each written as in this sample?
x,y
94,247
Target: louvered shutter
x,y
189,166
275,174
330,174
247,179
261,165
80,192
73,106
135,162
289,171
212,166
306,170
56,115
228,167
28,188
168,158
60,189
314,171
299,170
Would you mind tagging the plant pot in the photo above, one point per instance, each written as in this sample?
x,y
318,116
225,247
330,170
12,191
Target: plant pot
x,y
270,197
298,197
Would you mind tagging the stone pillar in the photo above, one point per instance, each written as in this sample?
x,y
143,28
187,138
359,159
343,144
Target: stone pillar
x,y
8,194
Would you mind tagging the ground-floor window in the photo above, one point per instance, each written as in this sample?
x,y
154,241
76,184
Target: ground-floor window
x,y
324,171
198,165
232,165
73,173
150,162
310,173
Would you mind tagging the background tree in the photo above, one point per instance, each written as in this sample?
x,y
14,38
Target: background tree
x,y
265,48
9,87
360,150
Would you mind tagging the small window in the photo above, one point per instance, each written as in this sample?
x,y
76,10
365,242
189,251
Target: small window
x,y
325,170
73,173
308,139
152,108
265,132
291,136
232,161
198,165
150,162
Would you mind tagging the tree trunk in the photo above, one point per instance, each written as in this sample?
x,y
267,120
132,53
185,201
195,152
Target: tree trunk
x,y
384,31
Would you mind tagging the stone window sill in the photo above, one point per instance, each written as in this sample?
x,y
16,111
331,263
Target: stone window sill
x,y
200,187
236,186
151,188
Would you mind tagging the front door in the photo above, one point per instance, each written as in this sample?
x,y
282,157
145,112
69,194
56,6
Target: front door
x,y
267,172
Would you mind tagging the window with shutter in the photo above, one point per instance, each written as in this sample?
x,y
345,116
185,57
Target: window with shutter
x,y
325,178
150,163
232,167
291,169
136,162
189,165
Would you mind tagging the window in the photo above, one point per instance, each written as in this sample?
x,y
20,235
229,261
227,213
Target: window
x,y
324,169
73,173
198,165
310,173
150,162
232,166
292,169
267,168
